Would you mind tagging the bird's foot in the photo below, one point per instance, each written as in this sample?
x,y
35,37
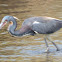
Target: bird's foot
x,y
47,50
58,49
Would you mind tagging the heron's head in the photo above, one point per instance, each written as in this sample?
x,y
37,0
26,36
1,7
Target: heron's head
x,y
6,19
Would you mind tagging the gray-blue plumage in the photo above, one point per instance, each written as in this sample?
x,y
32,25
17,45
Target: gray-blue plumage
x,y
43,25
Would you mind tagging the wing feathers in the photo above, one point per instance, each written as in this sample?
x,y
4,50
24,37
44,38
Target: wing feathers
x,y
46,28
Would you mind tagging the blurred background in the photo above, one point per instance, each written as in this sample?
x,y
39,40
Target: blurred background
x,y
29,48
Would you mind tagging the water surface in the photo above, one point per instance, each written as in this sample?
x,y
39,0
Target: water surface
x,y
29,48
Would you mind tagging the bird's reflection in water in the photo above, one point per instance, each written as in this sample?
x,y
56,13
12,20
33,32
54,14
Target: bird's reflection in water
x,y
48,59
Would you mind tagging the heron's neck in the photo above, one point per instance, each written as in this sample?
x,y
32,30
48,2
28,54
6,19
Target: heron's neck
x,y
12,27
24,30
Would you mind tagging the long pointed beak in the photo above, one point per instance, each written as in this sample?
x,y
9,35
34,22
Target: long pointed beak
x,y
2,25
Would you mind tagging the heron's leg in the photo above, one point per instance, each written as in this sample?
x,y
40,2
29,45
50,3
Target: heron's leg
x,y
46,44
53,43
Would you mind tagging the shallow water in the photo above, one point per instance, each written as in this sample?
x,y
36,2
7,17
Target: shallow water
x,y
29,48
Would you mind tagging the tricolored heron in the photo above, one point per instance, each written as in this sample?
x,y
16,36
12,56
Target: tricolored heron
x,y
33,25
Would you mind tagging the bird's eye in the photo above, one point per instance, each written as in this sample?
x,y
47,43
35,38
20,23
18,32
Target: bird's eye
x,y
5,20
